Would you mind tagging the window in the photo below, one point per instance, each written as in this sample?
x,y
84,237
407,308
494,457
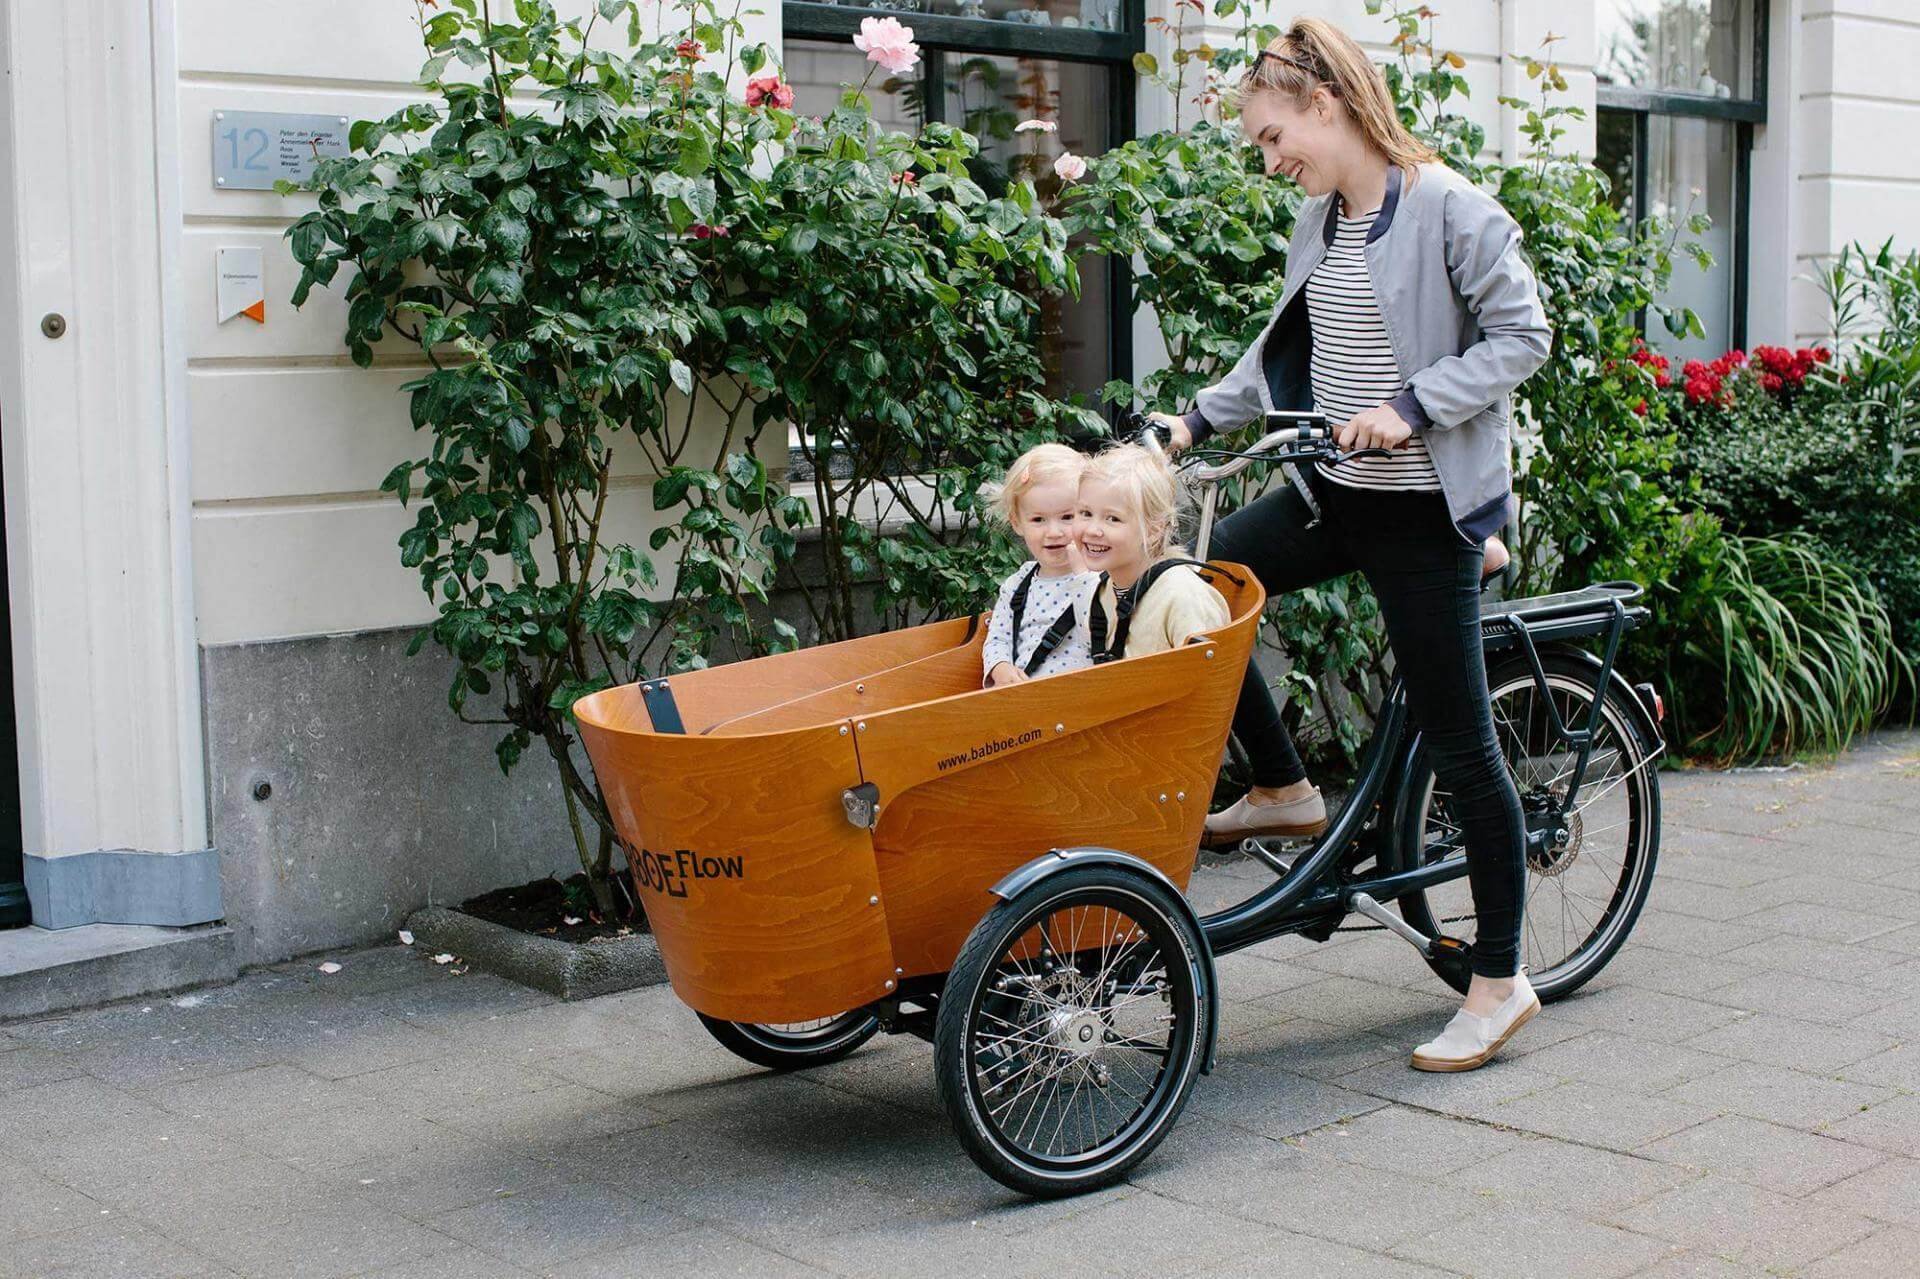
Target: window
x,y
1681,85
986,65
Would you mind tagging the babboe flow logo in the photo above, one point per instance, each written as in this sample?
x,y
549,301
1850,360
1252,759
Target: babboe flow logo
x,y
669,873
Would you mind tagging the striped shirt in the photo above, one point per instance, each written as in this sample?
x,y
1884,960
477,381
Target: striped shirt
x,y
1352,368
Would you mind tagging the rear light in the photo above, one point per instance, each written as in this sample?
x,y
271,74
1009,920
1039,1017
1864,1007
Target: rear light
x,y
1651,699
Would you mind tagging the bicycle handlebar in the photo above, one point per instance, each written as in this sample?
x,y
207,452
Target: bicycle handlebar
x,y
1304,438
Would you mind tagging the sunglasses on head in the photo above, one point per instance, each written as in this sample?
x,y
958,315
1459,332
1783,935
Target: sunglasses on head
x,y
1299,63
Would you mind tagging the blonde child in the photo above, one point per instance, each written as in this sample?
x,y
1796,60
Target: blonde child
x,y
1039,624
1128,503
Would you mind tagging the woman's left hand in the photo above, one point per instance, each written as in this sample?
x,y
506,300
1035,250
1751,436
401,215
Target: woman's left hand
x,y
1377,428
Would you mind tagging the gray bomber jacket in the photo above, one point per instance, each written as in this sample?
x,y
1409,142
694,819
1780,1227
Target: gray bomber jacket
x,y
1462,312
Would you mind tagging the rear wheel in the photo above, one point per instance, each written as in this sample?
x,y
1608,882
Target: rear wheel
x,y
794,1045
1587,881
1072,1029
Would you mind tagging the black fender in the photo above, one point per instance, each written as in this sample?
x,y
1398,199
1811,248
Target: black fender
x,y
1060,860
1406,766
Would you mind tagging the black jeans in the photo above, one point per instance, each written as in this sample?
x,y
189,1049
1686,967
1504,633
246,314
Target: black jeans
x,y
1427,581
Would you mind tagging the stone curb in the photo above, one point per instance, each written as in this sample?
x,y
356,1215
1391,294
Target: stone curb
x,y
571,971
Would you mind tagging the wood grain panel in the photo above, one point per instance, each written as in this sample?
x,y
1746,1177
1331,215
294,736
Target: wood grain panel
x,y
709,698
975,785
944,674
762,895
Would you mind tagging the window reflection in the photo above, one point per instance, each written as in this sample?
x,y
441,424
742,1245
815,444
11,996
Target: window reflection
x,y
1678,46
1690,169
1095,15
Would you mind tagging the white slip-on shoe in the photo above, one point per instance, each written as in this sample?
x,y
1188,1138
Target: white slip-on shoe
x,y
1469,1042
1247,817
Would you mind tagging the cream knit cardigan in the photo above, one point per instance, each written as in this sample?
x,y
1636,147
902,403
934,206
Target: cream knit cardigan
x,y
1180,605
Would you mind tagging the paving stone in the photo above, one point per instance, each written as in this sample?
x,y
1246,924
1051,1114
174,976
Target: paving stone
x,y
243,1185
104,1248
1620,1061
1784,1041
447,1172
549,1227
26,1065
1298,1256
1688,1264
1892,1126
691,1253
1905,940
884,1248
1788,1097
1784,1160
1709,900
1832,961
1898,1067
1472,1095
1512,1242
451,1001
548,1121
1813,999
1316,1048
1598,1116
34,1204
1364,1005
342,1138
457,1262
1558,1175
1688,935
255,1097
1890,1251
1270,1182
326,1242
1827,923
1746,1224
446,1086
1276,1103
1245,977
1414,1142
1888,1192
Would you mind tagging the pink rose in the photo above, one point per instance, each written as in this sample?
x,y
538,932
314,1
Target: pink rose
x,y
1070,167
770,90
888,43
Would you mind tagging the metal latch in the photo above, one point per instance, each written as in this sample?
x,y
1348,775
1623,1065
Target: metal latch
x,y
862,803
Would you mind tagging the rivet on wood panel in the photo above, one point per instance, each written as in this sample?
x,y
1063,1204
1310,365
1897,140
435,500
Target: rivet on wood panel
x,y
873,901
859,688
1209,655
1180,795
1163,797
889,985
1059,728
899,972
862,726
843,730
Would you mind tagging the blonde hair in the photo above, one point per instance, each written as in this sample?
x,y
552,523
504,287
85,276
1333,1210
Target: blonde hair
x,y
1313,52
1038,465
1151,490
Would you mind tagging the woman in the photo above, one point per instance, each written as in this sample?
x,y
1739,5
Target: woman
x,y
1408,316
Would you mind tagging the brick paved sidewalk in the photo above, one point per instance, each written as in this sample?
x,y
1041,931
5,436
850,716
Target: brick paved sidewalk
x,y
1734,1096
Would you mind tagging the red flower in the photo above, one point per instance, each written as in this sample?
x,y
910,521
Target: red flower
x,y
1736,357
690,50
1641,408
905,178
772,90
1821,355
1771,383
1693,369
1662,380
701,231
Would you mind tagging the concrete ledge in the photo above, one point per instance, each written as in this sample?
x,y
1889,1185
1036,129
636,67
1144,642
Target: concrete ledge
x,y
569,970
124,886
45,971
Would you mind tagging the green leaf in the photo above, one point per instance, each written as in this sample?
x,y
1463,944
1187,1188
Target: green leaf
x,y
1146,64
696,155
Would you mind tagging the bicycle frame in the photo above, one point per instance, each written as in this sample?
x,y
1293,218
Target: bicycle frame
x,y
1311,895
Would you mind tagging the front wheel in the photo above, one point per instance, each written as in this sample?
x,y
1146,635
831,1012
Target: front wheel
x,y
1584,891
794,1045
1072,1028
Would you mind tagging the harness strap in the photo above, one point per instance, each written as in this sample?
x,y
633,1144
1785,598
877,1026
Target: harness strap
x,y
1056,634
1126,604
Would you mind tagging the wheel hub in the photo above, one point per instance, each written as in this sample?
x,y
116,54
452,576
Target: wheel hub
x,y
1559,845
1078,1032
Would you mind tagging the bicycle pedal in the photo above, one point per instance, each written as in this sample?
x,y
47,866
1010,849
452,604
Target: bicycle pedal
x,y
1451,955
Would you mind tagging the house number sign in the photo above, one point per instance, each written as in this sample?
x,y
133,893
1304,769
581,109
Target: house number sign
x,y
254,149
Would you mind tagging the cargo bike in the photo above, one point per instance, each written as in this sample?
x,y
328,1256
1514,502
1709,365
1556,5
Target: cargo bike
x,y
855,838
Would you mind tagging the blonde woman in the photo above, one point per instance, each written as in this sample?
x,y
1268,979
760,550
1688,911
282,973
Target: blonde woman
x,y
1408,316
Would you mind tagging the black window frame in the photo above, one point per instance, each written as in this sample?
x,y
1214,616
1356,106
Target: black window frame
x,y
941,36
1743,113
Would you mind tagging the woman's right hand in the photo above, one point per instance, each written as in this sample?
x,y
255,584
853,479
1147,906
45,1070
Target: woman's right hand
x,y
1005,673
1180,438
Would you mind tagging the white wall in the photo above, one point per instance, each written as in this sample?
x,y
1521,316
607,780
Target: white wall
x,y
290,440
1856,109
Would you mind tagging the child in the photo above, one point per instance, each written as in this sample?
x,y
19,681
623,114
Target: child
x,y
1128,501
1039,624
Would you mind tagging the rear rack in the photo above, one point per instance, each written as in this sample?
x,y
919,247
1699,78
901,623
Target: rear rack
x,y
1592,610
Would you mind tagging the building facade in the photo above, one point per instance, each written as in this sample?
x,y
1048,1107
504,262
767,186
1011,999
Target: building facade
x,y
215,720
